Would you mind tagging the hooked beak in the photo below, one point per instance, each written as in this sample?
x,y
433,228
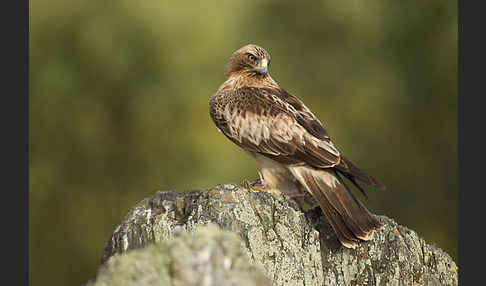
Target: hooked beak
x,y
263,67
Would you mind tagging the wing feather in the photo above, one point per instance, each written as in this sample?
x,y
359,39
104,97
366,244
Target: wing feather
x,y
262,121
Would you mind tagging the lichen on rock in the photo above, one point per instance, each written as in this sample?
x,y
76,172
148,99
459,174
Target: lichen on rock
x,y
290,245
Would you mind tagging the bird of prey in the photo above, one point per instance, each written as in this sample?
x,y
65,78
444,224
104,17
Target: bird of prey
x,y
294,152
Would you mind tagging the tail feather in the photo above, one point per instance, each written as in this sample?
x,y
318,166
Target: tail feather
x,y
352,179
349,218
343,205
349,168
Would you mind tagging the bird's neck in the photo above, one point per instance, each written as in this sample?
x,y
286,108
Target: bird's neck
x,y
239,80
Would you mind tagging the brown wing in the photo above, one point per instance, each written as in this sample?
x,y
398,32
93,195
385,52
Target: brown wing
x,y
262,120
303,115
351,171
313,126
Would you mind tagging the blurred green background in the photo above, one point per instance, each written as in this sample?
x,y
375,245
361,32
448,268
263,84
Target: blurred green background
x,y
119,95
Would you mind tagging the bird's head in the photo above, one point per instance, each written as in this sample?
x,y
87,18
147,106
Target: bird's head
x,y
250,59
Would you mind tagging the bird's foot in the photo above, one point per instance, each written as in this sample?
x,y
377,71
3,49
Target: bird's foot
x,y
253,186
259,185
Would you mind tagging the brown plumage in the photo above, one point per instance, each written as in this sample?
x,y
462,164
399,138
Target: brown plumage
x,y
292,148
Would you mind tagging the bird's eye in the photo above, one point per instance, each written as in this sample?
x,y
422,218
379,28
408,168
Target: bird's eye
x,y
252,58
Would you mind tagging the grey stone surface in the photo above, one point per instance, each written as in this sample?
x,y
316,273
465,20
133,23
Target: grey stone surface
x,y
209,256
291,246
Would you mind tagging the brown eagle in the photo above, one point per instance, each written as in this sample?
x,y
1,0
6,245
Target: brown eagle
x,y
295,154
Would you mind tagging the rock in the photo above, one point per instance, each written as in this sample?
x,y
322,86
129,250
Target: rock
x,y
290,245
209,256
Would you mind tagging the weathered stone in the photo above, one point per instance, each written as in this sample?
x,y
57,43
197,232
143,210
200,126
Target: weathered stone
x,y
209,256
292,246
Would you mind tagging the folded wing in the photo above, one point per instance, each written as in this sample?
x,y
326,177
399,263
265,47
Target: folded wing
x,y
258,120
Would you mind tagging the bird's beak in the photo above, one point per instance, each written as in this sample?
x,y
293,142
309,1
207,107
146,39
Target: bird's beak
x,y
263,67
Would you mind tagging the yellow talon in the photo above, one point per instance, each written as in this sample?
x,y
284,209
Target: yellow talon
x,y
247,185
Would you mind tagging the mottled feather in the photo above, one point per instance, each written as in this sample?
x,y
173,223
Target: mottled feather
x,y
290,143
259,120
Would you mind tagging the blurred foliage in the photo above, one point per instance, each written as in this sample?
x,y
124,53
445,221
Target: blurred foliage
x,y
119,96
